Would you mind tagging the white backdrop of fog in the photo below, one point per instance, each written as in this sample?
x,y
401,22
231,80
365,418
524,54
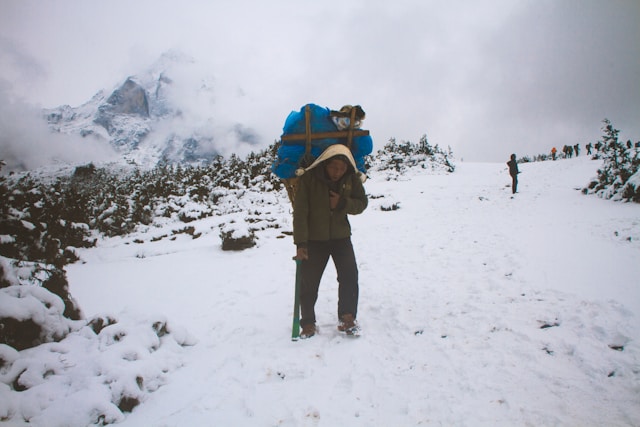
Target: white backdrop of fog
x,y
26,143
485,78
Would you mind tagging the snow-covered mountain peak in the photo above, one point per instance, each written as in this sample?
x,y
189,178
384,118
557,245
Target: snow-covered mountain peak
x,y
164,113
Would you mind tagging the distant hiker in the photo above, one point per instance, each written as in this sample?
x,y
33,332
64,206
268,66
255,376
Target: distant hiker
x,y
553,153
576,148
599,145
589,147
513,171
330,190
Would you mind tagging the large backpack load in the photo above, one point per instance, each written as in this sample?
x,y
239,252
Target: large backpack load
x,y
309,132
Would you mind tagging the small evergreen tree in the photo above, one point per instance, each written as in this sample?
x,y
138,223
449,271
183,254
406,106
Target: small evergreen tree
x,y
619,177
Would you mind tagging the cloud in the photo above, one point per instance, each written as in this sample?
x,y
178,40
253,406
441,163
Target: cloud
x,y
26,142
19,67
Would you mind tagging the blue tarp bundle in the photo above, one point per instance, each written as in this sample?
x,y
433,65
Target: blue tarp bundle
x,y
291,153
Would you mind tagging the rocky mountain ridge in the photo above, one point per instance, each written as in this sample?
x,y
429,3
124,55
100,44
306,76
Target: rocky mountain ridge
x,y
162,115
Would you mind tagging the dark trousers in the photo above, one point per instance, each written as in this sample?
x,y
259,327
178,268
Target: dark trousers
x,y
514,183
344,259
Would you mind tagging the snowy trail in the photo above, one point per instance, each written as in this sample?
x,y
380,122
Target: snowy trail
x,y
477,309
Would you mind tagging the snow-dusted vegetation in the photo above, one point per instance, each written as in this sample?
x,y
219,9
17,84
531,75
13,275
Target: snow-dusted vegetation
x,y
477,307
619,177
47,218
54,355
105,362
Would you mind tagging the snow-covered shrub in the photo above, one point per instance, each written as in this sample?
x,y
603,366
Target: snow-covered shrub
x,y
31,315
237,236
190,210
389,206
35,227
57,283
101,372
35,304
395,159
631,190
618,177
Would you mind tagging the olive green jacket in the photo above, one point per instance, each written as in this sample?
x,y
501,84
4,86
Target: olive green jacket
x,y
313,218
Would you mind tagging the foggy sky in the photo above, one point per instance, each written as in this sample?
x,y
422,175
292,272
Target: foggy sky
x,y
486,78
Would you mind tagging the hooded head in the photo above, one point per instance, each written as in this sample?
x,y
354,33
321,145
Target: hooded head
x,y
336,167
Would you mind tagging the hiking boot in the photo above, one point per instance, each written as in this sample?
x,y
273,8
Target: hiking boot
x,y
347,323
308,330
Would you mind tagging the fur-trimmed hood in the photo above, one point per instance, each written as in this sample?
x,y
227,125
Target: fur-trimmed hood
x,y
332,151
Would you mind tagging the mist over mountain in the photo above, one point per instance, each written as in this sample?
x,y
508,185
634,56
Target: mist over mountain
x,y
172,112
26,142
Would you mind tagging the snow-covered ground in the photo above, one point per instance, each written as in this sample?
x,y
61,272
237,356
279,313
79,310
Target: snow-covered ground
x,y
477,308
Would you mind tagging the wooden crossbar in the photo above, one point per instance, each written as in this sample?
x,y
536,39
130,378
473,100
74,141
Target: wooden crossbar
x,y
322,135
307,137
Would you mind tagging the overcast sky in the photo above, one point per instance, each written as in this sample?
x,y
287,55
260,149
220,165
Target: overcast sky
x,y
486,78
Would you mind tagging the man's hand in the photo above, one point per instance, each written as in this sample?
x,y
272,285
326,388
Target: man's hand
x,y
334,198
302,254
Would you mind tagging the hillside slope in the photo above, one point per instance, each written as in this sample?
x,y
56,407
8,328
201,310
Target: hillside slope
x,y
478,308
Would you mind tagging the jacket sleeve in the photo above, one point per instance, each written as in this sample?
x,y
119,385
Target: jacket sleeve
x,y
356,202
301,213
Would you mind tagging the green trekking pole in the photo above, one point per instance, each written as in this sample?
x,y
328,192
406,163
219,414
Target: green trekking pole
x,y
295,331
